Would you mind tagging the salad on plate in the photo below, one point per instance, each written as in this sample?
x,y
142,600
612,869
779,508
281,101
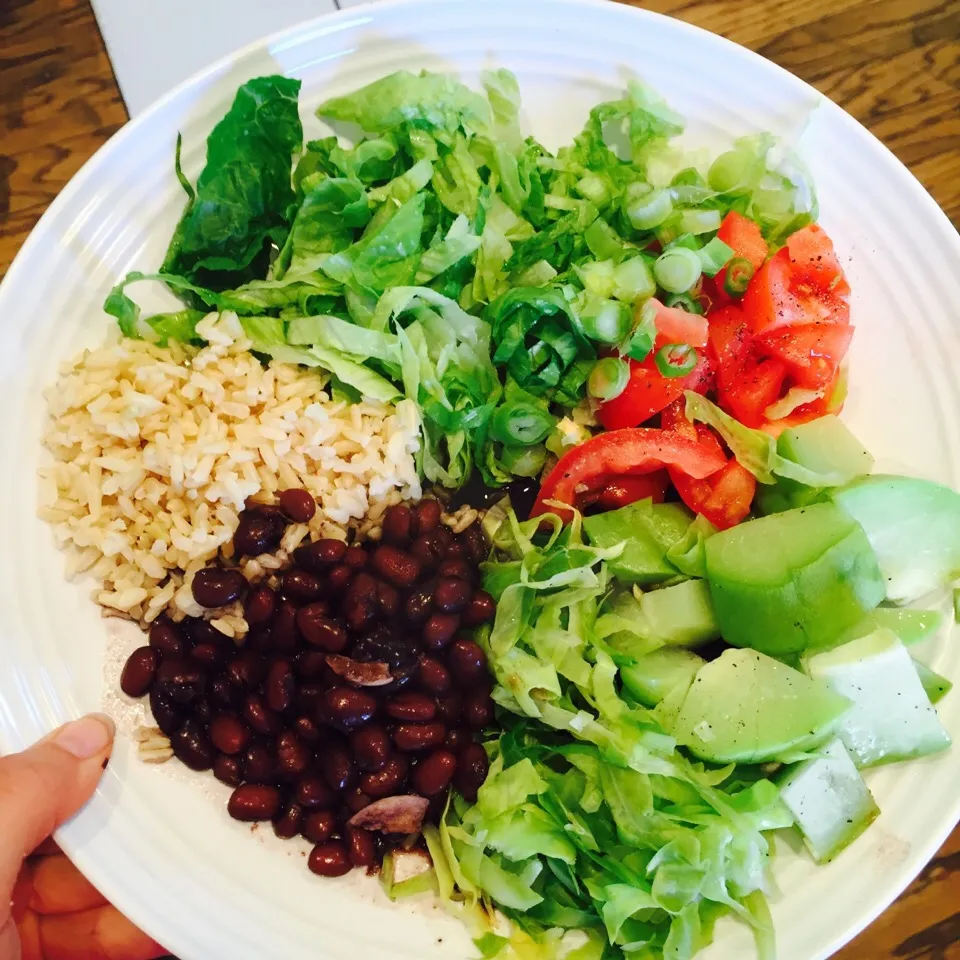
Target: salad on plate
x,y
491,515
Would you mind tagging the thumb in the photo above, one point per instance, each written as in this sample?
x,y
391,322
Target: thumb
x,y
46,785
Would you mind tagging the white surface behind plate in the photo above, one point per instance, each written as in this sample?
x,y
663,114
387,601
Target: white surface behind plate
x,y
156,44
152,842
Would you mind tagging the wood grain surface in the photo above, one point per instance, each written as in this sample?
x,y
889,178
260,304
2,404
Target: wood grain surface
x,y
893,64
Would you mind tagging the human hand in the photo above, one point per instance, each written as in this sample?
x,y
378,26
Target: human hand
x,y
58,913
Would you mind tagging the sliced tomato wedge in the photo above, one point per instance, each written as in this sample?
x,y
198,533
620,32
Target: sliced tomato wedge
x,y
729,346
743,236
724,497
622,491
591,465
801,283
648,391
759,383
811,351
679,326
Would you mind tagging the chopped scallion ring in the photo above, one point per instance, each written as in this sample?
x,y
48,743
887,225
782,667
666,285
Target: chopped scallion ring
x,y
608,379
739,274
676,359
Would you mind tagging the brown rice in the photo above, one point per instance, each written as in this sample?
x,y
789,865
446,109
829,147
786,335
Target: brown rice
x,y
156,449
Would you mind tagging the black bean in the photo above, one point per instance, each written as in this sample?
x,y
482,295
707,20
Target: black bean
x,y
140,671
307,731
258,532
181,681
360,847
347,708
478,710
259,765
371,747
433,773
319,629
329,859
459,569
318,826
314,793
467,663
192,746
284,636
229,733
457,738
260,716
301,586
280,686
452,594
253,802
481,609
411,708
397,526
472,766
228,770
337,767
293,757
428,514
386,782
450,708
259,606
430,549
298,504
168,639
167,714
224,694
474,543
217,586
439,630
287,825
395,565
320,556
388,600
413,737
246,670
432,676
419,604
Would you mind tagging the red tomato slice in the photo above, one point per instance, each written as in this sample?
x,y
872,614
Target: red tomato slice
x,y
758,384
648,391
639,450
811,351
815,261
729,344
622,491
743,236
679,326
724,497
784,291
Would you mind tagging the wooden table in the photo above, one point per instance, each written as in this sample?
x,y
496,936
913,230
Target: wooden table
x,y
893,64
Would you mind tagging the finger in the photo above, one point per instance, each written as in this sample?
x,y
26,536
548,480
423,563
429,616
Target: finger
x,y
49,848
29,929
98,934
46,785
22,891
59,887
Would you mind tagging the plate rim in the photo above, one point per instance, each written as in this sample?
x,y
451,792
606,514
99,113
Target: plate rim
x,y
69,836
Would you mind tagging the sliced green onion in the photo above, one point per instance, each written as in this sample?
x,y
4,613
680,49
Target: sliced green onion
x,y
524,461
632,280
731,171
739,274
676,359
646,208
684,302
605,320
700,221
520,422
677,269
603,241
595,189
642,339
714,256
608,379
596,277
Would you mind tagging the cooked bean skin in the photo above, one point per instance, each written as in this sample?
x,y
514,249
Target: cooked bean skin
x,y
353,684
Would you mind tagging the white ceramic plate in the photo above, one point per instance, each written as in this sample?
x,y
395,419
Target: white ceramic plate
x,y
152,840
